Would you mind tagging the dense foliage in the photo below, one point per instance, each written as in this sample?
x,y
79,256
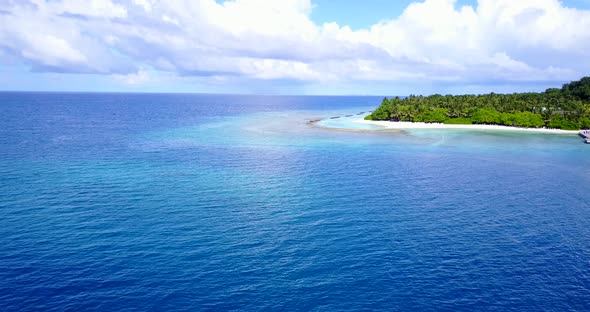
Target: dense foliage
x,y
566,108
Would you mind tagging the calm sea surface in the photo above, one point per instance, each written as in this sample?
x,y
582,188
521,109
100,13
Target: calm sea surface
x,y
123,202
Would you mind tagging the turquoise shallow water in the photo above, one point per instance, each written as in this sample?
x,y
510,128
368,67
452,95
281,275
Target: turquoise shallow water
x,y
193,202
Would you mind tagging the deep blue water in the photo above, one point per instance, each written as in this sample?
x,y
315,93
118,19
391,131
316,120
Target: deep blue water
x,y
128,202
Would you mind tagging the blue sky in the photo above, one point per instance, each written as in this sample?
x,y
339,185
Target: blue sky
x,y
362,14
293,46
359,14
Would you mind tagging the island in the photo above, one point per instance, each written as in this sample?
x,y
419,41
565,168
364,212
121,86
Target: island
x,y
567,108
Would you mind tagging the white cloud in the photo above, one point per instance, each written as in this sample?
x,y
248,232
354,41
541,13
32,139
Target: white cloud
x,y
145,4
90,8
140,77
51,51
434,40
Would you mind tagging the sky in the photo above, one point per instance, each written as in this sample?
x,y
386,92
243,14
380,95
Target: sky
x,y
344,47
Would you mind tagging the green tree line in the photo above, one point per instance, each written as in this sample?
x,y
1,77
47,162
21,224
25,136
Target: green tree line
x,y
567,108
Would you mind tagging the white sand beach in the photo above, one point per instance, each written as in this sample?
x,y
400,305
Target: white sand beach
x,y
420,125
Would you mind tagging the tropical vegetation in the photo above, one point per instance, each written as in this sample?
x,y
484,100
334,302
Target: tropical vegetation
x,y
567,108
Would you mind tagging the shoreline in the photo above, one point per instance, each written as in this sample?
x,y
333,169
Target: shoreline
x,y
397,126
406,125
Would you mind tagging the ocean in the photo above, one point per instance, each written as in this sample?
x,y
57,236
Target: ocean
x,y
180,202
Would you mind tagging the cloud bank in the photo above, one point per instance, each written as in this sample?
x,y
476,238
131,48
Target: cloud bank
x,y
431,41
